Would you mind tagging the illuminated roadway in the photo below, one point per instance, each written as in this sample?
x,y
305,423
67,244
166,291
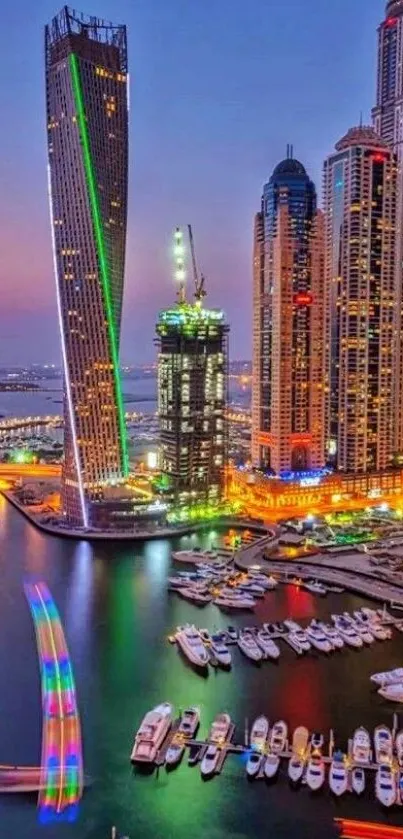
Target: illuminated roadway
x,y
59,779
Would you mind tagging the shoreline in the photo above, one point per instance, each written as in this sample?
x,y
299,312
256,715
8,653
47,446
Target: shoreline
x,y
138,536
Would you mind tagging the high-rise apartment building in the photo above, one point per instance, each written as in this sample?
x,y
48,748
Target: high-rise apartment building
x,y
388,123
288,325
192,400
360,210
87,129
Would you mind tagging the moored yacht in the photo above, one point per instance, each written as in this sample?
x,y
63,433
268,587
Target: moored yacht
x,y
399,748
347,632
383,743
248,644
388,677
220,651
315,772
191,593
385,785
240,602
267,645
190,721
392,692
300,753
358,780
361,748
318,639
315,588
152,732
278,737
331,633
258,737
189,640
338,774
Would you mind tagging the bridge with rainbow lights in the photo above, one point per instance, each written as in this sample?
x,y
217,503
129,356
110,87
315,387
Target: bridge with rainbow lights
x,y
59,779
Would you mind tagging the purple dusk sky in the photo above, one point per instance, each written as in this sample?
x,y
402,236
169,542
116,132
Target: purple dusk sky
x,y
218,88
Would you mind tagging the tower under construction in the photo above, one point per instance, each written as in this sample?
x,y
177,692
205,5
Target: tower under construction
x,y
192,391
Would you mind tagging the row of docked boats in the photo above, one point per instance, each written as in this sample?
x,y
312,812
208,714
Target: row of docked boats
x,y
154,730
201,647
227,588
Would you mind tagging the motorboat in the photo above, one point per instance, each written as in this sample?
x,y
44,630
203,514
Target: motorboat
x,y
271,765
315,772
198,597
399,747
190,721
392,692
259,733
358,780
348,633
292,625
267,645
278,737
315,588
331,633
361,748
318,639
300,752
205,636
389,677
383,743
219,729
385,785
210,760
191,644
294,643
248,644
174,754
232,633
234,602
338,774
254,764
381,633
152,733
317,740
301,637
363,631
220,651
252,589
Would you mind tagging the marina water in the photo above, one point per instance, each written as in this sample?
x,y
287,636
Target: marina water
x,y
117,613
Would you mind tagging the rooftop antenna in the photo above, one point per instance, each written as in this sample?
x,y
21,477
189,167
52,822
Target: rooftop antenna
x,y
360,119
179,256
200,291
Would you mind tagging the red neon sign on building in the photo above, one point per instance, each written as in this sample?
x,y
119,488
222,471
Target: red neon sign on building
x,y
303,298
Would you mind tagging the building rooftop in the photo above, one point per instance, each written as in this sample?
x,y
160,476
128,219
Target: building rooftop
x,y
361,135
289,166
393,8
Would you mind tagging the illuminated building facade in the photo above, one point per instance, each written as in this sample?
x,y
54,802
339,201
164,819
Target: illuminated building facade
x,y
87,107
360,204
288,324
388,123
192,398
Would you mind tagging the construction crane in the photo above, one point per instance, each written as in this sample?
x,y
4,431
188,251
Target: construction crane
x,y
200,291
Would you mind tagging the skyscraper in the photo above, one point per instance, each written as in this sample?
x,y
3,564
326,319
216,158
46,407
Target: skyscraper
x,y
388,123
192,397
360,203
288,324
87,125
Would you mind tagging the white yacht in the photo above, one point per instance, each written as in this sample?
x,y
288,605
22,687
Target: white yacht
x,y
293,642
259,733
174,753
361,748
292,626
385,785
254,764
318,639
271,765
191,593
347,632
399,748
381,633
331,633
383,743
190,721
220,728
278,737
300,752
358,780
242,602
316,588
363,631
191,644
338,774
248,644
301,636
392,692
210,760
267,645
389,677
315,772
220,651
252,589
152,733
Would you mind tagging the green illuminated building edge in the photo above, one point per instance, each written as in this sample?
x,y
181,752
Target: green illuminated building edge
x,y
99,238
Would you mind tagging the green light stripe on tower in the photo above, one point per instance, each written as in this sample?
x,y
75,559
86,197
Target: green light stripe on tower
x,y
101,249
